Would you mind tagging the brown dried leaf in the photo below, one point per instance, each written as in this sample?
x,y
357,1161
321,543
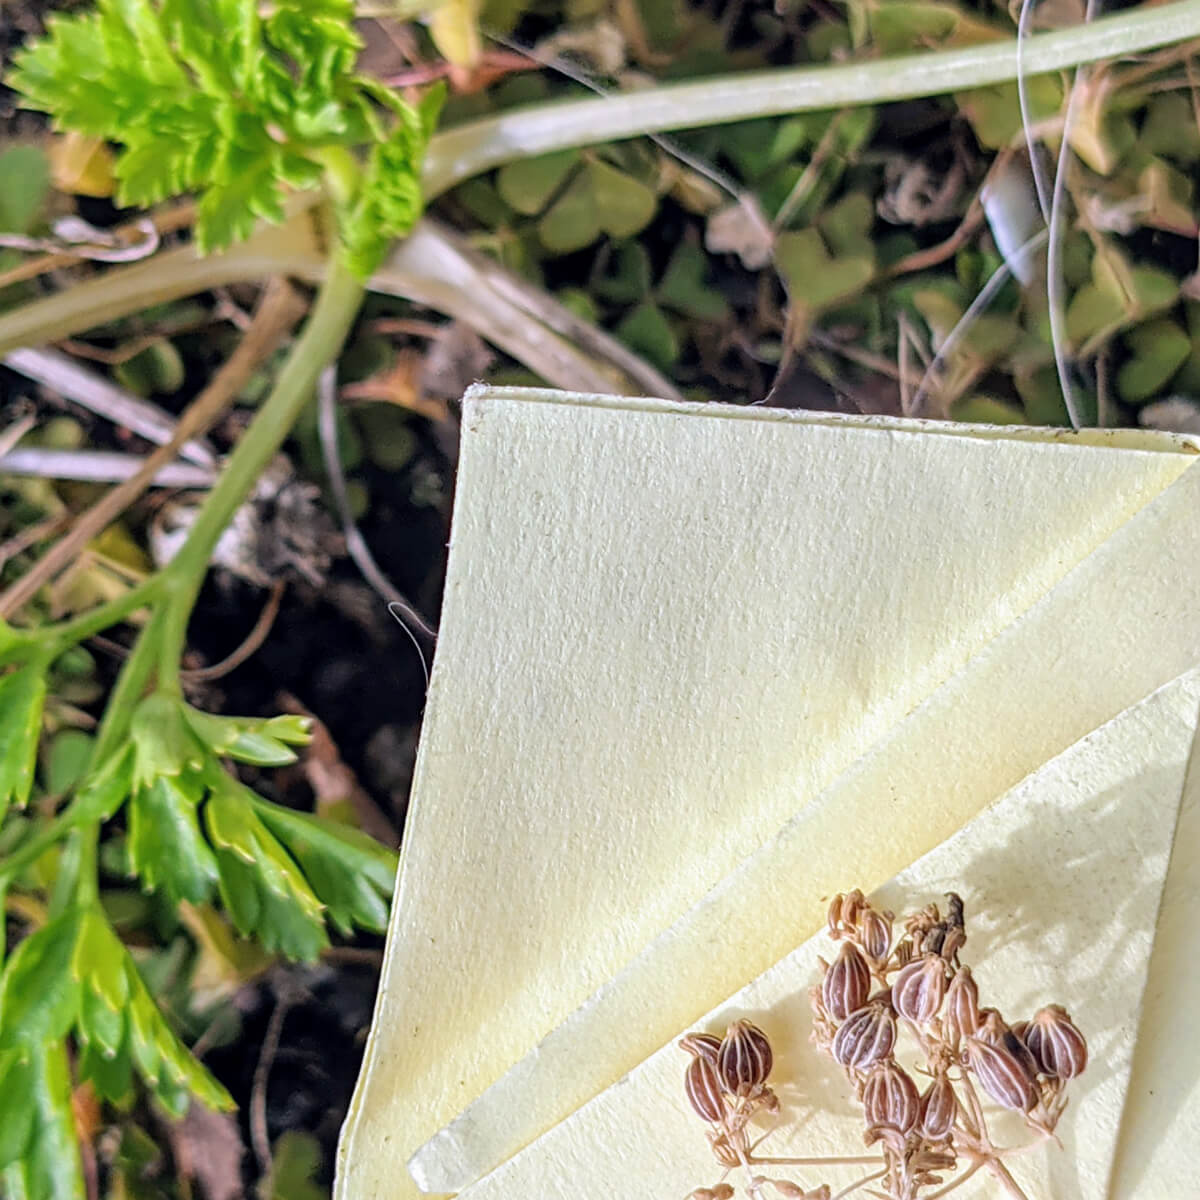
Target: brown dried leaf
x,y
399,384
744,230
208,1148
334,784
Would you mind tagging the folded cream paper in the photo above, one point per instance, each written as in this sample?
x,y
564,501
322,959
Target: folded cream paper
x,y
701,664
1062,879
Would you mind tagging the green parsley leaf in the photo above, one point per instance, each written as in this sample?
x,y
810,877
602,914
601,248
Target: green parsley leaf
x,y
120,1026
39,993
166,1065
163,743
16,1113
263,742
351,873
264,891
389,202
22,694
166,848
206,96
36,1095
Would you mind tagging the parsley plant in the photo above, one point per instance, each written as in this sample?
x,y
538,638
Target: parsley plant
x,y
239,106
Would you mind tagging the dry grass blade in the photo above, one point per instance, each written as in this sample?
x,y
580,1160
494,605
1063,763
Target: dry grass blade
x,y
100,466
61,374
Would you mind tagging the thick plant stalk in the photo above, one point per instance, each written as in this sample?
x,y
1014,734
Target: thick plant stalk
x,y
459,154
432,266
466,151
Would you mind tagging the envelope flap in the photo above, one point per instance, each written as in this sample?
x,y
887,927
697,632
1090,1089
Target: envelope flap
x,y
663,631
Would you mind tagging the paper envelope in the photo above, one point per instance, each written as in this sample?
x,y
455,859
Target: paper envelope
x,y
701,667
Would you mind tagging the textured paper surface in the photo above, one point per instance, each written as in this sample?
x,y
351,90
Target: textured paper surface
x,y
670,630
1062,879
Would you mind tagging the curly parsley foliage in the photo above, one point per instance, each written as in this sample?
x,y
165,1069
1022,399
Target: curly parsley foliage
x,y
207,96
193,832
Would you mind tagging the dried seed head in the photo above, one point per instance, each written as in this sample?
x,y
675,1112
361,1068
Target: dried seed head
x,y
919,987
1058,1048
846,984
875,934
744,1060
994,1030
1002,1075
962,1005
701,1045
953,942
704,1090
865,1037
890,1097
722,1191
939,1106
1015,1045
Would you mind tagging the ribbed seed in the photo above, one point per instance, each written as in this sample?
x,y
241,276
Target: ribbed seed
x,y
704,1090
701,1045
744,1060
890,1097
919,988
865,1037
1015,1045
846,983
939,1106
962,1005
875,934
1002,1075
1057,1046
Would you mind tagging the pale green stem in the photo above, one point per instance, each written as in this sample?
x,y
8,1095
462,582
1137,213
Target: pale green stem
x,y
337,305
131,682
30,851
461,153
70,633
